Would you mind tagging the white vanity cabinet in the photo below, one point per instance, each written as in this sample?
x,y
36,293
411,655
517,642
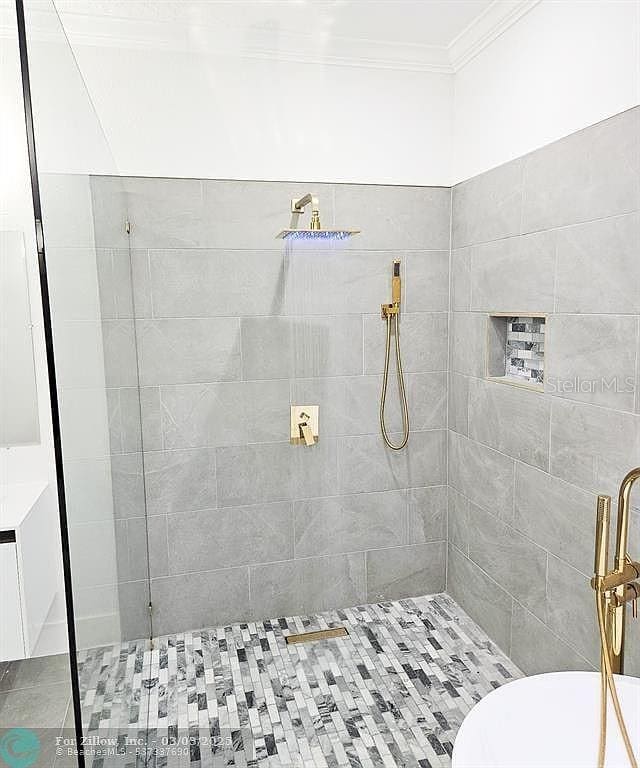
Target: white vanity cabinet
x,y
28,567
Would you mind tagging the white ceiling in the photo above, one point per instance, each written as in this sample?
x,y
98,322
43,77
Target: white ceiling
x,y
432,35
416,22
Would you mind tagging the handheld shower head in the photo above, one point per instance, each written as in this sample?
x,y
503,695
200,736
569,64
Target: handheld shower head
x,y
315,231
396,283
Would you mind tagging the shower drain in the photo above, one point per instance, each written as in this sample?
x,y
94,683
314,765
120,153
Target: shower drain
x,y
320,634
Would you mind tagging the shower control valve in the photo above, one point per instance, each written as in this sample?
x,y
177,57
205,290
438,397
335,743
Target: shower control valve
x,y
304,425
390,309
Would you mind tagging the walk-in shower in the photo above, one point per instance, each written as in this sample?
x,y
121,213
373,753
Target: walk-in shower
x,y
299,529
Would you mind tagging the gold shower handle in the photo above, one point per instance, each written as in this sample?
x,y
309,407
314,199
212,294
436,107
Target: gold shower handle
x,y
306,433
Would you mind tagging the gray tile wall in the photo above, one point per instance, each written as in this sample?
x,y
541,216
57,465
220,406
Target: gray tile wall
x,y
557,231
230,326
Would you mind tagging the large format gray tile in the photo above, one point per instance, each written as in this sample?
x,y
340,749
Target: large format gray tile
x,y
488,206
461,279
467,343
231,413
535,649
251,474
556,515
205,599
151,418
120,357
158,543
571,610
459,528
480,596
140,267
508,557
189,351
164,213
114,283
312,584
211,283
274,347
180,480
43,707
423,342
211,539
426,514
127,485
426,282
133,606
366,464
399,572
109,205
27,673
592,358
125,428
514,275
598,266
327,280
394,218
276,589
351,405
590,174
458,403
349,523
482,475
331,582
593,447
131,549
512,420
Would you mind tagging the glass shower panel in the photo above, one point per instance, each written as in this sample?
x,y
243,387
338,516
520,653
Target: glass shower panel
x,y
86,244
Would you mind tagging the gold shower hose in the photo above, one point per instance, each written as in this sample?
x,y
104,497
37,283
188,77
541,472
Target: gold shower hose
x,y
606,679
385,381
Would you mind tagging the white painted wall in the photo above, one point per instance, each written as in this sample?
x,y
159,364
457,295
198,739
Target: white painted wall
x,y
562,67
171,112
174,113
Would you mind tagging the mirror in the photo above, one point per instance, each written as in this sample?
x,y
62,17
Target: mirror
x,y
18,396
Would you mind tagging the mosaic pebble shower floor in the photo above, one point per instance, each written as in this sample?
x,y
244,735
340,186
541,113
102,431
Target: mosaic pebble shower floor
x,y
392,693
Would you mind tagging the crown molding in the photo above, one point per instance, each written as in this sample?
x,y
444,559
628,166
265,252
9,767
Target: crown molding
x,y
486,28
161,33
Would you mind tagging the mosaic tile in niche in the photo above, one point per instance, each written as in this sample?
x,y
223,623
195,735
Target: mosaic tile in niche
x,y
525,348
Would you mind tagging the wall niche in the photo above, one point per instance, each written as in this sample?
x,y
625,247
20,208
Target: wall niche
x,y
515,349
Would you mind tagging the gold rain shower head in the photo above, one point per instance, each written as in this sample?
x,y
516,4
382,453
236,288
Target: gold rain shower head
x,y
315,231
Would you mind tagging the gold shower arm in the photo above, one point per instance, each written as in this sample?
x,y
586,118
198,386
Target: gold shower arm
x,y
297,208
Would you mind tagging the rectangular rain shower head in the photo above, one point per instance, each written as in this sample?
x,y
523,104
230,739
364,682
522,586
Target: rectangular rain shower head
x,y
315,230
316,234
